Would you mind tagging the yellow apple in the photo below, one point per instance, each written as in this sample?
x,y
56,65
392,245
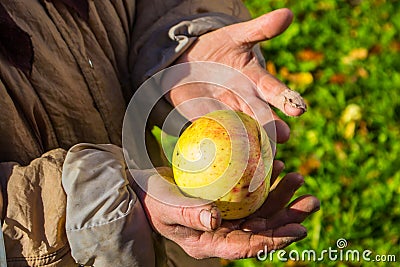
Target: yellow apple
x,y
225,157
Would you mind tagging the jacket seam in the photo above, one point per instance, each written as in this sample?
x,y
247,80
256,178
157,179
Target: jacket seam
x,y
60,253
105,223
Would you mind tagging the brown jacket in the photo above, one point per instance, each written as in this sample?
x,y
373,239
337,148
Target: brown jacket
x,y
67,71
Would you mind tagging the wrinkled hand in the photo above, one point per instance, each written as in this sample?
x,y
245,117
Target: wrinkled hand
x,y
198,227
234,46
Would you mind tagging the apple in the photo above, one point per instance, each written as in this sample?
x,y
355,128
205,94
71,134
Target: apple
x,y
225,156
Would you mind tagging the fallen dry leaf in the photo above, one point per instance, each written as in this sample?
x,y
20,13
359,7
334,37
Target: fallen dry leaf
x,y
348,121
362,73
340,152
395,46
351,113
355,54
338,78
309,166
300,78
270,66
310,55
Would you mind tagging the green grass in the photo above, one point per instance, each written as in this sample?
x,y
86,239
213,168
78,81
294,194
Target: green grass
x,y
343,56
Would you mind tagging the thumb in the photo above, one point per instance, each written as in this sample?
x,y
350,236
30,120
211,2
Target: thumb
x,y
205,218
262,28
157,190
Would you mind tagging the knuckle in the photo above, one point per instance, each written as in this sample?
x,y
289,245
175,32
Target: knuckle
x,y
187,216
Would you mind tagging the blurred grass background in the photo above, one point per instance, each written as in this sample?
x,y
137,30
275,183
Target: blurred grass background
x,y
343,56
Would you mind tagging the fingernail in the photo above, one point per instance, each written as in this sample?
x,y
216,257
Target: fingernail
x,y
296,111
303,234
211,219
205,218
317,208
293,102
216,218
298,236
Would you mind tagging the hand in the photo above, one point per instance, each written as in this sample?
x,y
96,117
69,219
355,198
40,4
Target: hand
x,y
197,227
233,46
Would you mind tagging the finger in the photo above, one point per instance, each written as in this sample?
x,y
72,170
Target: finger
x,y
304,204
284,236
277,168
273,91
239,244
275,127
296,212
281,194
203,218
174,208
236,98
262,28
206,218
277,130
282,130
192,101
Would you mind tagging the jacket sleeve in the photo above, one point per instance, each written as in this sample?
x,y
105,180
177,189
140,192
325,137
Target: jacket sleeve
x,y
165,29
105,222
34,212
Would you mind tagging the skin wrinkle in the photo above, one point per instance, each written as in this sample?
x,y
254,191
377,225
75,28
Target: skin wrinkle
x,y
193,250
239,60
214,248
238,46
277,90
272,238
252,244
185,214
243,47
248,43
227,240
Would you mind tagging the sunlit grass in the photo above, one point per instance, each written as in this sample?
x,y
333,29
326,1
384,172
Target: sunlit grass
x,y
343,56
